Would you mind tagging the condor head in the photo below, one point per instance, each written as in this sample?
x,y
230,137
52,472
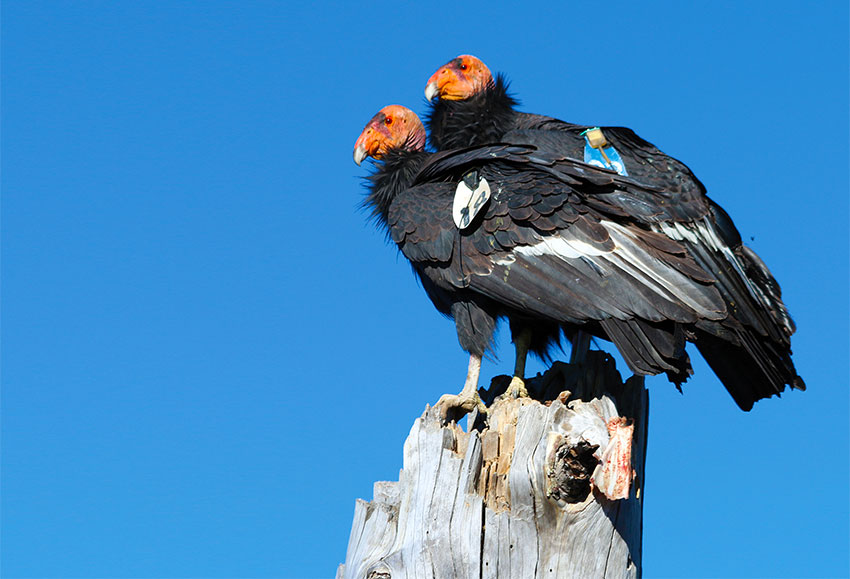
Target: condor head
x,y
459,79
394,127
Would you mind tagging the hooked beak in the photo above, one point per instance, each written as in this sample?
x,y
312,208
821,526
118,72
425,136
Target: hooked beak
x,y
360,153
364,143
431,90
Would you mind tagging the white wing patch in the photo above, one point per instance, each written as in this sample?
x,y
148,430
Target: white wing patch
x,y
562,247
704,234
657,275
630,256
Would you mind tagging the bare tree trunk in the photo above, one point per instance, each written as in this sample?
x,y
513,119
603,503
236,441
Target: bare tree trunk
x,y
552,487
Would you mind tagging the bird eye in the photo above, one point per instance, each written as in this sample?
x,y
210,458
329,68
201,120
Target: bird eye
x,y
388,121
463,66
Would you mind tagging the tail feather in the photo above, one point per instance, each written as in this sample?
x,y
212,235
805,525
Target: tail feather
x,y
651,348
751,369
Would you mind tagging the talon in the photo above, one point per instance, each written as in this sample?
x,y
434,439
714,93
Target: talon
x,y
517,389
456,406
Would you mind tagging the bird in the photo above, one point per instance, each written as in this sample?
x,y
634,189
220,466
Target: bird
x,y
471,107
550,245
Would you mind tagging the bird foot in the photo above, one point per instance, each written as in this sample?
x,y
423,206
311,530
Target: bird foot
x,y
456,406
517,389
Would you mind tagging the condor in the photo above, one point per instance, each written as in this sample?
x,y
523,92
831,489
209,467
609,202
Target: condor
x,y
551,247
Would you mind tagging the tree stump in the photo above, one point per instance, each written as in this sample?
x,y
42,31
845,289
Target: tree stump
x,y
550,487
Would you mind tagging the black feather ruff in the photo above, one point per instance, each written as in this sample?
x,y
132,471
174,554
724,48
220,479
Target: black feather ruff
x,y
478,120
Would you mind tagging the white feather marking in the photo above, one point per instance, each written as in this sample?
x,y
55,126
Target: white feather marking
x,y
656,275
704,234
562,247
630,256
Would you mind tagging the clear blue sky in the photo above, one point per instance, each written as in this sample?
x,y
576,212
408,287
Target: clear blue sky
x,y
208,354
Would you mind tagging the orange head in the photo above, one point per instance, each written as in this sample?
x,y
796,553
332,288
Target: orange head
x,y
394,127
459,79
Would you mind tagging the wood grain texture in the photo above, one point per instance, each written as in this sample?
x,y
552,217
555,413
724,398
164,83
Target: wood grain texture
x,y
488,503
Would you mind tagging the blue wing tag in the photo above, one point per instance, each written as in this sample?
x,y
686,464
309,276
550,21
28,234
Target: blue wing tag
x,y
599,153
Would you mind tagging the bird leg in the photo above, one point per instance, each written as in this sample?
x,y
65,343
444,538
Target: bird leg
x,y
516,389
468,399
580,346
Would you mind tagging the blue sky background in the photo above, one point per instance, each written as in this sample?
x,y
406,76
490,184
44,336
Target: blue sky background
x,y
208,354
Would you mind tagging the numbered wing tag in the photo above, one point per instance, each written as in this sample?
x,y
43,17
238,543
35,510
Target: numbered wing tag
x,y
471,196
598,152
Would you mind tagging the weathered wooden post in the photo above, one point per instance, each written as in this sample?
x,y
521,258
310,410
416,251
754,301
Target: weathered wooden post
x,y
552,487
